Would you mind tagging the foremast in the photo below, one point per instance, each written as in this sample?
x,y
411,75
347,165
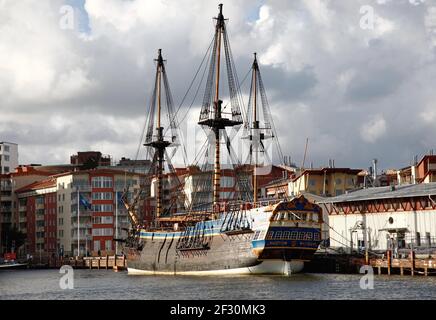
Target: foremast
x,y
158,142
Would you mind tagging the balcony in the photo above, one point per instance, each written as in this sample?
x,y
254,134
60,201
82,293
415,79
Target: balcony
x,y
81,238
6,187
6,209
74,200
5,219
39,206
22,208
82,213
86,225
81,187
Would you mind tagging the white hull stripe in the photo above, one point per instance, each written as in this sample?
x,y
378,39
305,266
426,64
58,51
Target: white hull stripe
x,y
266,267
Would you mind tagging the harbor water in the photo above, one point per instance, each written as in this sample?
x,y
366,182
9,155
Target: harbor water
x,y
106,284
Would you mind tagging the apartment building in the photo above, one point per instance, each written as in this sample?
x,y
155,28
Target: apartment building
x,y
8,157
76,213
325,181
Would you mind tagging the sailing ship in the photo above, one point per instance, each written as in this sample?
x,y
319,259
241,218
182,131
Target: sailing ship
x,y
242,236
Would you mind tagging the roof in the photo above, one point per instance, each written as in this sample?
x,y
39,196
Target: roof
x,y
37,185
428,157
99,171
400,191
327,170
27,171
277,182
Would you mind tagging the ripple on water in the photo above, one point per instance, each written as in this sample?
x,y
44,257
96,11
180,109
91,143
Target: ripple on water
x,y
106,284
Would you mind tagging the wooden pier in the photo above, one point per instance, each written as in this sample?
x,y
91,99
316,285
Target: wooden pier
x,y
351,264
404,266
117,263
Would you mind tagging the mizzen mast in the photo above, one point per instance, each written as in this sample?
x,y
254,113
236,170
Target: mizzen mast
x,y
259,125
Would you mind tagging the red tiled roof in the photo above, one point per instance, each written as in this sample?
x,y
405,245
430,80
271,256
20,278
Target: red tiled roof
x,y
27,171
37,185
98,171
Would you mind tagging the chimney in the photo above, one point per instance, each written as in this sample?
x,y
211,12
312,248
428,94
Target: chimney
x,y
333,163
413,173
374,171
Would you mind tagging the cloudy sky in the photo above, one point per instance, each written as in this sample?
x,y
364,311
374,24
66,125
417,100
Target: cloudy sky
x,y
359,86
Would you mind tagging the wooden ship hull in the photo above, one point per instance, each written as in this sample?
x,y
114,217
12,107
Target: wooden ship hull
x,y
274,242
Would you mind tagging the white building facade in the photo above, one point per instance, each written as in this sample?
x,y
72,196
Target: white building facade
x,y
397,218
8,157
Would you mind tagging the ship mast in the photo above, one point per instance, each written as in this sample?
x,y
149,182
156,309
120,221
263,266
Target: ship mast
x,y
159,143
259,126
255,69
214,119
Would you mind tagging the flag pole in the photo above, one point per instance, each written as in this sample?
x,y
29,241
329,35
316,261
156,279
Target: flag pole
x,y
78,222
116,222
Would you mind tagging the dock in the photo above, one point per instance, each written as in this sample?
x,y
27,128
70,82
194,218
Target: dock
x,y
116,263
408,265
404,266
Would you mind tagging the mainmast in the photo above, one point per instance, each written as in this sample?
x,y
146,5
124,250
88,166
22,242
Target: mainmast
x,y
255,70
212,117
158,142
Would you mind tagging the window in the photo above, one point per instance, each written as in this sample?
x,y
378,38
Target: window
x,y
102,208
103,220
308,236
6,148
338,181
6,169
102,232
108,245
6,157
269,235
312,182
96,245
227,182
101,182
102,196
61,221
